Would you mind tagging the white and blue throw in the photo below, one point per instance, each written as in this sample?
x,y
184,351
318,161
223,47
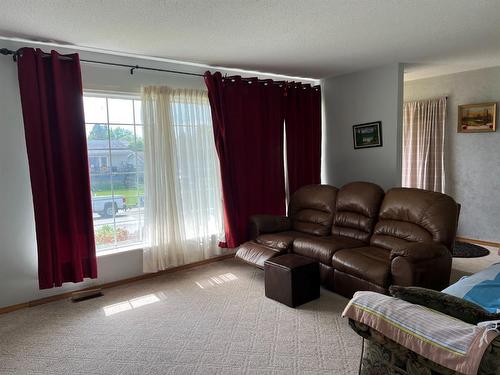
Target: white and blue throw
x,y
482,288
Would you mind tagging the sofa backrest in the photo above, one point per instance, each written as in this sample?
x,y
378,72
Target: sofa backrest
x,y
311,209
357,209
415,215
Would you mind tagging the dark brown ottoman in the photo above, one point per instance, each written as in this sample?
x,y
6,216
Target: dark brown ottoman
x,y
291,279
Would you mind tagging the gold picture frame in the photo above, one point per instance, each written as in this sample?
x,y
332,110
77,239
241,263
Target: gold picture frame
x,y
477,118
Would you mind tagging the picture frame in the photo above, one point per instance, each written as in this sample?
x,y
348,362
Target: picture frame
x,y
477,118
367,135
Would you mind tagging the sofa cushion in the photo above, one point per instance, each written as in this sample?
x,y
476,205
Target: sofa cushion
x,y
256,253
322,249
357,210
280,240
311,209
369,263
415,215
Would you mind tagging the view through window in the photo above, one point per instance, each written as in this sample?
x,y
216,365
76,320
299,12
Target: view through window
x,y
116,163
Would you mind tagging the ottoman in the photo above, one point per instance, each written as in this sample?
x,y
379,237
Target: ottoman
x,y
291,279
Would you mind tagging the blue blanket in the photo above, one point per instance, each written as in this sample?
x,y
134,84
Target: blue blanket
x,y
482,288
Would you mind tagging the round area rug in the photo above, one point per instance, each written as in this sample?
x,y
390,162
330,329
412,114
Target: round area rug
x,y
468,250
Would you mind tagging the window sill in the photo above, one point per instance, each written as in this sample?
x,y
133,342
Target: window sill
x,y
120,250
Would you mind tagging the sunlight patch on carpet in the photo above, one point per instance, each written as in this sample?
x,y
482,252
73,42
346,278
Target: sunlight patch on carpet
x,y
216,280
130,304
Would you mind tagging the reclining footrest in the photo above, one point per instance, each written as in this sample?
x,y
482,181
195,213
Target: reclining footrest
x,y
256,253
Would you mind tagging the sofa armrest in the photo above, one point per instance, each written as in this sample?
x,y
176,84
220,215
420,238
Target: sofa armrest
x,y
424,264
260,224
382,355
420,251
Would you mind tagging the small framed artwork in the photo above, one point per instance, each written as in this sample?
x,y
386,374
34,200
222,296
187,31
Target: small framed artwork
x,y
477,118
367,135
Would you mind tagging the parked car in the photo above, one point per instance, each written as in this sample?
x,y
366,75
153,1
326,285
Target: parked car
x,y
107,205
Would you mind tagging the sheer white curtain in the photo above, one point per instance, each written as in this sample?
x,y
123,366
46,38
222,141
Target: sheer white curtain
x,y
423,144
183,201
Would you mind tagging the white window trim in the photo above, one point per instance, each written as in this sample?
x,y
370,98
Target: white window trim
x,y
122,249
112,94
116,95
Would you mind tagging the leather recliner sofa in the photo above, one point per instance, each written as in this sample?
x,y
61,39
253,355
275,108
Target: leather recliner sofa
x,y
363,238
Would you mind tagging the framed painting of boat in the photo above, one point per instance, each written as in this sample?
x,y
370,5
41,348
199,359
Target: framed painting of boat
x,y
477,118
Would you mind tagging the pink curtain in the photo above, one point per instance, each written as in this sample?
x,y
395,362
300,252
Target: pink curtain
x,y
423,144
247,116
52,103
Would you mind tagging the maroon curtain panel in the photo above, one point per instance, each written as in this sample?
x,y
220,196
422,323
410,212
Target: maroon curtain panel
x,y
52,103
248,116
303,135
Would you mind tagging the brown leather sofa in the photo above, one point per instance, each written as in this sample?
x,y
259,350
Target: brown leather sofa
x,y
362,238
310,215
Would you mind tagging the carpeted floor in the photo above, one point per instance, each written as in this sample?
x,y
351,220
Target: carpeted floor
x,y
213,319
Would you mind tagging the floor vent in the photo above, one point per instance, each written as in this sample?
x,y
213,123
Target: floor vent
x,y
86,294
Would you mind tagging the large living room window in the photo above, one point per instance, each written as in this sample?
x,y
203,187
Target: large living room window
x,y
116,164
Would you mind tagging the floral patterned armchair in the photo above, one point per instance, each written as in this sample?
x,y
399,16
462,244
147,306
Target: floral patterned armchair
x,y
382,356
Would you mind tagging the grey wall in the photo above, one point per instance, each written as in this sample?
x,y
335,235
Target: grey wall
x,y
18,259
366,96
472,160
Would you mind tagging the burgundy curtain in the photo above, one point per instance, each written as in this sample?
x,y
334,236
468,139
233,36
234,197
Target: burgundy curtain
x,y
303,135
52,102
247,116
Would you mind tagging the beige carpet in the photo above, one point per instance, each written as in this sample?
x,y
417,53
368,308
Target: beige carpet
x,y
212,319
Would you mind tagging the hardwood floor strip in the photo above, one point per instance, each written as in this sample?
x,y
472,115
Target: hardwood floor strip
x,y
479,242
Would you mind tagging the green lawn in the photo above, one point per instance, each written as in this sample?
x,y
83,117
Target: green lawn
x,y
130,195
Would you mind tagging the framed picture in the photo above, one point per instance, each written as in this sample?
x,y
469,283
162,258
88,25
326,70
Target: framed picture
x,y
477,118
367,135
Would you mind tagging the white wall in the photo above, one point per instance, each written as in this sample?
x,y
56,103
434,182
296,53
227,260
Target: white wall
x,y
366,96
18,259
472,160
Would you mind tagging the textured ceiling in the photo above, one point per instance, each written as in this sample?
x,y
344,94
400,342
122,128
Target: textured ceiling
x,y
310,38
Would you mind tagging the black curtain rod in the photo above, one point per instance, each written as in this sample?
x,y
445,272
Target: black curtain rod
x,y
137,67
16,54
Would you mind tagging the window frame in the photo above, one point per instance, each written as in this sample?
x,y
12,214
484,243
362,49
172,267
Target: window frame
x,y
136,123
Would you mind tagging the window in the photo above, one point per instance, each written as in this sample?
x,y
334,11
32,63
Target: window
x,y
116,164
